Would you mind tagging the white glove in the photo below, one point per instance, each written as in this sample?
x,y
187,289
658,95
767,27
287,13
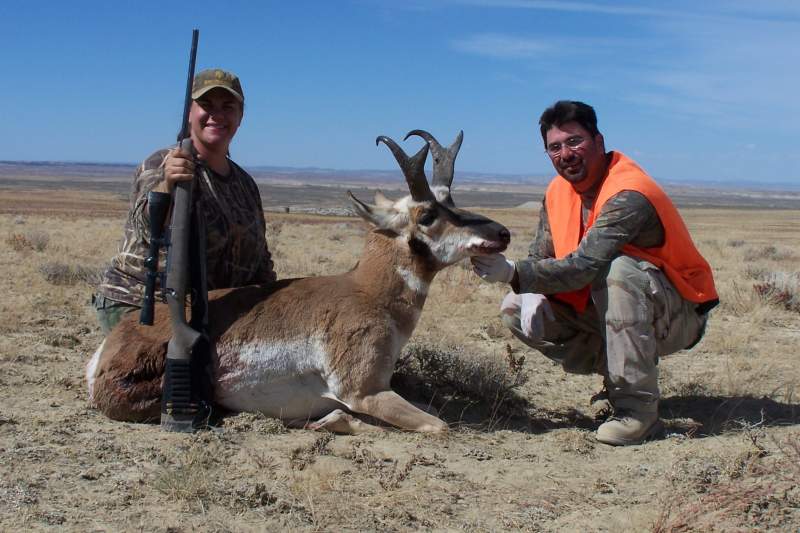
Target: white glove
x,y
533,310
494,268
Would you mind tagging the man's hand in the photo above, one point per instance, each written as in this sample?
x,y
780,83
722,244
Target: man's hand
x,y
494,268
178,166
533,309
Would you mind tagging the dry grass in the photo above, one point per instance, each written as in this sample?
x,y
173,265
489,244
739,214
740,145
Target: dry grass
x,y
29,240
59,273
780,289
256,423
187,479
521,455
769,252
754,489
449,376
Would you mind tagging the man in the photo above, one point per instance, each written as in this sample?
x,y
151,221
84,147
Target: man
x,y
225,195
612,280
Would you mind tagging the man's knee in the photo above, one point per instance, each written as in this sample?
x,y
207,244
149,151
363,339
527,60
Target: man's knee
x,y
624,290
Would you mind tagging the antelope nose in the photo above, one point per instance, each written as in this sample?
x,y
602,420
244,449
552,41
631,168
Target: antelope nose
x,y
505,235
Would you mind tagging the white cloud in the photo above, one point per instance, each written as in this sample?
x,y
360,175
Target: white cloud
x,y
501,46
506,46
743,69
710,11
715,62
581,7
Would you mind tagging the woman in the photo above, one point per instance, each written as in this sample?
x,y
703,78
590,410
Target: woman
x,y
225,195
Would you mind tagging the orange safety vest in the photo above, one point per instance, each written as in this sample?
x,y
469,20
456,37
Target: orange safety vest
x,y
677,257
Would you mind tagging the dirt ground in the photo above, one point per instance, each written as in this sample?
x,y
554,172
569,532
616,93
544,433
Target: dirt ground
x,y
520,455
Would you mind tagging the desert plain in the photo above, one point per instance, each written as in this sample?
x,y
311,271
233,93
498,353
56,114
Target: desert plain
x,y
520,454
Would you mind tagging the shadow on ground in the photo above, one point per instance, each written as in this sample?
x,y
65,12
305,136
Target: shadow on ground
x,y
499,409
700,416
470,390
694,416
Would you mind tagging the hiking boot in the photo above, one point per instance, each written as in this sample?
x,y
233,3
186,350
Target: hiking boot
x,y
627,427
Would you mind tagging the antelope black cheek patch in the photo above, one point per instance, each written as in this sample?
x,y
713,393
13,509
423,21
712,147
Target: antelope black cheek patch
x,y
420,248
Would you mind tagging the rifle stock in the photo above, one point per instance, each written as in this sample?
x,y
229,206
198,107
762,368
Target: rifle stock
x,y
178,406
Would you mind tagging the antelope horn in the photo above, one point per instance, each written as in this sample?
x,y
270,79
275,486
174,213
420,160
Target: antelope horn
x,y
444,160
413,169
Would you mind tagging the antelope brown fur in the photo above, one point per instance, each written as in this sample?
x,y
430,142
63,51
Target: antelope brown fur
x,y
319,349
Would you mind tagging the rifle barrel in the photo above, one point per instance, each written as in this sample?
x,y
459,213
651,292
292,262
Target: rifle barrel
x,y
187,100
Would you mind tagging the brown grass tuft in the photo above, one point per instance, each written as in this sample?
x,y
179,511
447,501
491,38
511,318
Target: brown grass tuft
x,y
756,488
451,373
29,240
780,289
769,252
303,456
389,473
187,480
255,422
59,273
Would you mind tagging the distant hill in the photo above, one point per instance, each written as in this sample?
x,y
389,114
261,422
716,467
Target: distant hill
x,y
288,175
322,175
319,184
52,169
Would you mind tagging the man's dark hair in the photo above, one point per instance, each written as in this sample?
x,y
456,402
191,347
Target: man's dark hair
x,y
565,111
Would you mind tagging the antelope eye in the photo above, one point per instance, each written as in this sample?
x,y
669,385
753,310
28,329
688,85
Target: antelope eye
x,y
427,218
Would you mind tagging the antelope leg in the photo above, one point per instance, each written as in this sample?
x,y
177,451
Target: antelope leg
x,y
336,421
392,408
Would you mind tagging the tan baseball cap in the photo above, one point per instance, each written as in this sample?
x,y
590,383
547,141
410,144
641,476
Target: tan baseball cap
x,y
214,77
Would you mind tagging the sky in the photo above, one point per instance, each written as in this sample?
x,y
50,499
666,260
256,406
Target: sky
x,y
700,90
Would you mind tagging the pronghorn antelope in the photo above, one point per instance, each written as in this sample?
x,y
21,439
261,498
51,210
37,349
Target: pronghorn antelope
x,y
319,349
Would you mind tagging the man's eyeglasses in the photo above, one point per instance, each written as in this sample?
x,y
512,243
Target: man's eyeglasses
x,y
573,143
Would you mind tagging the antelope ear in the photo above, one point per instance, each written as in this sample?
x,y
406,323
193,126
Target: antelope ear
x,y
382,201
375,215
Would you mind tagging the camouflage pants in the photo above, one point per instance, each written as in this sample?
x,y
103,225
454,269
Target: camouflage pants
x,y
110,312
634,317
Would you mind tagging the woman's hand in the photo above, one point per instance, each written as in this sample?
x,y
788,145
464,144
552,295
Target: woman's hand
x,y
178,166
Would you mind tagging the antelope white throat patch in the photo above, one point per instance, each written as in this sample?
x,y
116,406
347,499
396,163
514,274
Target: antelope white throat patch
x,y
412,281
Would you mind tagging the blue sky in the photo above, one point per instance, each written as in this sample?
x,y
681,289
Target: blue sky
x,y
692,90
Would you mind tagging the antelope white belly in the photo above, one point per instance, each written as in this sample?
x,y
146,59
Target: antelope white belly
x,y
284,379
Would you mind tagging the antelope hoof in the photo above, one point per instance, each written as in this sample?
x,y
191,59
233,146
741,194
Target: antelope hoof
x,y
441,427
340,422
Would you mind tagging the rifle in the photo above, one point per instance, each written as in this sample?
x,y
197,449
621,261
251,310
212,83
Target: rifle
x,y
188,349
158,204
